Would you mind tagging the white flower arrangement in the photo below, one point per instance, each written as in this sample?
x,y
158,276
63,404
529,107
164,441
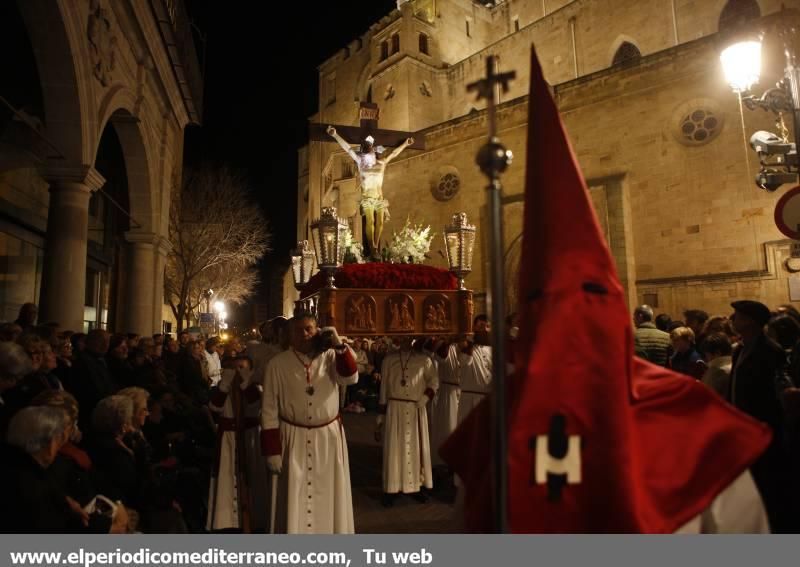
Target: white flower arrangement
x,y
411,245
353,252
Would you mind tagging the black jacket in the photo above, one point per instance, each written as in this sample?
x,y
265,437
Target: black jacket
x,y
91,382
755,380
754,375
31,503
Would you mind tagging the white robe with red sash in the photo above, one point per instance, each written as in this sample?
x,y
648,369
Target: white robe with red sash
x,y
314,494
223,500
406,445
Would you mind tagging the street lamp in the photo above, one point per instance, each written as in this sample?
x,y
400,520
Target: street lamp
x,y
207,295
302,264
327,233
741,63
459,242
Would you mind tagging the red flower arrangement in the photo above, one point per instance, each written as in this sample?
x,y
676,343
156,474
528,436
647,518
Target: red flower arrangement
x,y
379,275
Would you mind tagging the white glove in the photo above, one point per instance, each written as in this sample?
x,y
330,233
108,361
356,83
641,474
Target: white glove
x,y
335,339
275,464
379,421
226,380
423,401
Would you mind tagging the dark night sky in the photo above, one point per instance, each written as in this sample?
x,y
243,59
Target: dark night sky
x,y
261,86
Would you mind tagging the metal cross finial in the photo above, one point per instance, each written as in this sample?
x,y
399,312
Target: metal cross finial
x,y
493,160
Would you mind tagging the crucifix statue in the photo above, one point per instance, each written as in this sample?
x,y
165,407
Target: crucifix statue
x,y
371,160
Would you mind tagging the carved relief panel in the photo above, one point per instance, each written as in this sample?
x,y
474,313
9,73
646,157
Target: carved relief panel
x,y
437,312
400,313
360,313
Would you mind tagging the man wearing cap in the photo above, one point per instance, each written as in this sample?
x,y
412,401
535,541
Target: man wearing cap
x,y
371,166
756,365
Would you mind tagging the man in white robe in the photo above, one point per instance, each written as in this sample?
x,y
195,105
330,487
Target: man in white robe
x,y
223,501
302,434
408,383
475,368
214,365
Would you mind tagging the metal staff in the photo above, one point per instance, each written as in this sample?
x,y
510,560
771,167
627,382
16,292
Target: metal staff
x,y
493,159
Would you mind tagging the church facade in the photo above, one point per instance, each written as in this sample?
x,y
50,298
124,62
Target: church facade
x,y
656,129
97,97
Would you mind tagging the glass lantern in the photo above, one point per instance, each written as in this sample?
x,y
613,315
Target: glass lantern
x,y
328,235
459,241
302,264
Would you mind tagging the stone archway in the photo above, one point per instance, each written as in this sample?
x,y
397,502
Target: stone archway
x,y
63,75
136,279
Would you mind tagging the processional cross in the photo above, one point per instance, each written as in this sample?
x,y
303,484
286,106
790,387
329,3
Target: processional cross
x,y
493,160
370,160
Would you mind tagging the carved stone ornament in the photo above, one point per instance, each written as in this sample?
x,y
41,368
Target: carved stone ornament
x,y
425,89
102,43
361,312
437,313
400,313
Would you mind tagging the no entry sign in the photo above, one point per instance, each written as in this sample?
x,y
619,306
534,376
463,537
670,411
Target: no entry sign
x,y
787,214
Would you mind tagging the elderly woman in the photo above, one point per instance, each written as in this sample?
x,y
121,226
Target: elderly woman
x,y
32,502
118,475
38,380
14,366
135,438
72,471
158,483
193,374
686,359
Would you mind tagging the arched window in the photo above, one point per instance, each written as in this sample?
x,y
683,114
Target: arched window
x,y
384,50
737,12
626,53
423,44
395,43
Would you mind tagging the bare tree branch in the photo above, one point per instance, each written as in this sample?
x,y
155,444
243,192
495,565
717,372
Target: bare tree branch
x,y
218,235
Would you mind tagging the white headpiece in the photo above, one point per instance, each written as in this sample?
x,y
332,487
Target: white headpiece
x,y
369,139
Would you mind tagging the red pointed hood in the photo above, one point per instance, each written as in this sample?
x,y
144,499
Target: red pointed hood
x,y
643,458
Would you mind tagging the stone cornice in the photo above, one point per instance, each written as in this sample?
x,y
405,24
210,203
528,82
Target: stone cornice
x,y
84,174
147,238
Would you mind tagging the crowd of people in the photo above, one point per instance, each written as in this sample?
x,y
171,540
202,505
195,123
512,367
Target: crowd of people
x,y
106,432
752,360
113,433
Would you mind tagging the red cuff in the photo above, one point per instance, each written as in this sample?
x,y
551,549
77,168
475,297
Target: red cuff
x,y
252,393
430,393
218,397
270,442
382,409
346,363
442,350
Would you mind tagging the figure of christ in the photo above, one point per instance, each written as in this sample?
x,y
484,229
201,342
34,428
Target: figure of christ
x,y
371,167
